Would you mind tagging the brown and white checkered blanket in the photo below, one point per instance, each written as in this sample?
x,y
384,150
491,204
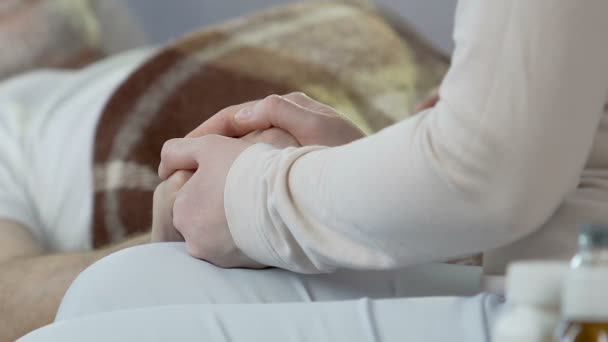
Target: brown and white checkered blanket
x,y
346,56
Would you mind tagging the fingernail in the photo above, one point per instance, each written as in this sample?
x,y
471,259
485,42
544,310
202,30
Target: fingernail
x,y
243,114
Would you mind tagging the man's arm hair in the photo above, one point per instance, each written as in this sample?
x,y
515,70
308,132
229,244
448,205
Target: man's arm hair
x,y
32,285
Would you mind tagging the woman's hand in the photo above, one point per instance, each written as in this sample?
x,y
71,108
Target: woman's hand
x,y
309,121
198,211
189,206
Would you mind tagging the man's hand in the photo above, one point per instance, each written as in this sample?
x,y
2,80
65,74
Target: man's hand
x,y
190,206
429,102
308,121
162,209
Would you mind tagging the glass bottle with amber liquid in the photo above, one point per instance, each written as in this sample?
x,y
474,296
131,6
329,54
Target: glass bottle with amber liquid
x,y
585,293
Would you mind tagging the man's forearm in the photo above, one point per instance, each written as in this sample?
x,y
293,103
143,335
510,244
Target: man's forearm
x,y
31,288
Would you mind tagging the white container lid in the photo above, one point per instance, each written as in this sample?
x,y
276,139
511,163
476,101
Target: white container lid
x,y
536,283
586,295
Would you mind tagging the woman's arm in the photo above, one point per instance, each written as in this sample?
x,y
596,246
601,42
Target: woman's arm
x,y
488,165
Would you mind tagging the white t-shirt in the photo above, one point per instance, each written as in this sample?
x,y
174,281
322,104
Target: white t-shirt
x,y
47,127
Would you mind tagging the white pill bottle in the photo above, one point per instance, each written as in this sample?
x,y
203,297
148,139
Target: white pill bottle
x,y
533,293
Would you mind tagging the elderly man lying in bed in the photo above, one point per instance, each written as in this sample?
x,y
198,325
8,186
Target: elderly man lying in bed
x,y
47,130
52,125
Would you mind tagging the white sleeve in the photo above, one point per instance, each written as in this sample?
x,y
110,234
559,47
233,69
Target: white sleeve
x,y
15,203
488,165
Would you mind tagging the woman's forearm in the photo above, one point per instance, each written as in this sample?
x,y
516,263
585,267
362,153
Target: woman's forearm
x,y
489,164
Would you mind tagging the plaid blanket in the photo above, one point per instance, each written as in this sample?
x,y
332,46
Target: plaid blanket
x,y
346,56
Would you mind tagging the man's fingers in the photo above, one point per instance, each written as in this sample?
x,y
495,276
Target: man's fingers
x,y
178,154
162,216
221,123
176,181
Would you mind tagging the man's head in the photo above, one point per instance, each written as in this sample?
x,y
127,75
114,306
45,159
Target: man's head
x,y
62,33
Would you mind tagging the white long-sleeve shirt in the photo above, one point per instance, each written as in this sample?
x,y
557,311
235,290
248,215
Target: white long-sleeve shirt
x,y
511,159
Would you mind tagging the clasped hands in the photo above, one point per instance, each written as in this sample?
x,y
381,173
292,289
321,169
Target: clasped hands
x,y
189,203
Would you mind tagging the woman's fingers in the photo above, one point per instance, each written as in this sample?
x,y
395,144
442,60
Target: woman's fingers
x,y
324,126
310,103
221,123
225,122
280,112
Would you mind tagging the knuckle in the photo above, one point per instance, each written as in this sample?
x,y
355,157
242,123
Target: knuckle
x,y
272,102
297,95
167,148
